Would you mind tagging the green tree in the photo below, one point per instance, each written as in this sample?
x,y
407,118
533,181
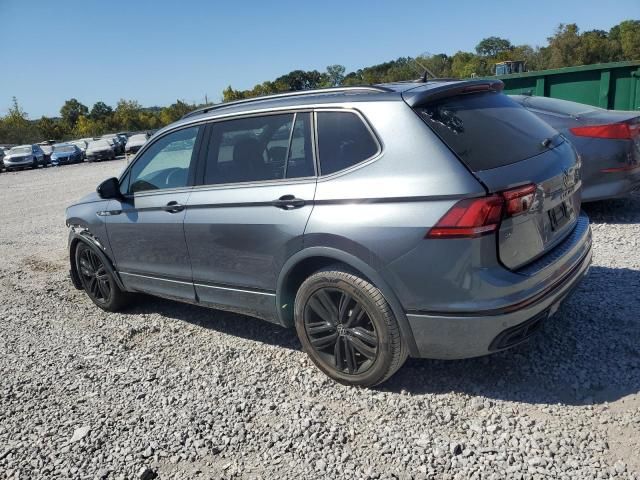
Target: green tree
x,y
564,47
52,129
71,110
229,94
100,111
175,111
335,75
16,127
630,39
126,116
467,64
301,80
492,46
87,127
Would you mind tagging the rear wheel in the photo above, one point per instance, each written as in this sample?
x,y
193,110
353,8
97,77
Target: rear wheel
x,y
97,280
347,328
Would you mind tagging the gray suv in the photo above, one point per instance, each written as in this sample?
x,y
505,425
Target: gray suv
x,y
24,156
437,220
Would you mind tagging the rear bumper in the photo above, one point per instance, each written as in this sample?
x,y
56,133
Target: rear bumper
x,y
133,149
99,155
453,335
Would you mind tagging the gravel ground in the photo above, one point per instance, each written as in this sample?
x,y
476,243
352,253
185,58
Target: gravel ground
x,y
177,391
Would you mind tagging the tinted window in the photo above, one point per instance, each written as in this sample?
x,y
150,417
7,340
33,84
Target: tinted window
x,y
488,130
343,141
300,158
259,149
165,164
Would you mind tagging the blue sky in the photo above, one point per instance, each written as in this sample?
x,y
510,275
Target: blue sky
x,y
160,51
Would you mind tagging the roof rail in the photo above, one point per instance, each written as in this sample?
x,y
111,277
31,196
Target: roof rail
x,y
365,88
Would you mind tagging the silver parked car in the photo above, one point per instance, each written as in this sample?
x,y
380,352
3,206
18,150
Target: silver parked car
x,y
101,149
116,141
25,156
135,142
379,221
608,142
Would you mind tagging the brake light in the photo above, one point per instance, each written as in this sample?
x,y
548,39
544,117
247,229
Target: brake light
x,y
626,168
470,218
475,217
617,131
519,200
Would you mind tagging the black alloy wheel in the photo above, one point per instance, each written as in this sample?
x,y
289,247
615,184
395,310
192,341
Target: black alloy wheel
x,y
94,276
347,327
340,331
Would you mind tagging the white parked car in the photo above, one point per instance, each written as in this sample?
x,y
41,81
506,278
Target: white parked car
x,y
135,142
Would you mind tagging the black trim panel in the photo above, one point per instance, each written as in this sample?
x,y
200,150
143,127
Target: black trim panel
x,y
202,283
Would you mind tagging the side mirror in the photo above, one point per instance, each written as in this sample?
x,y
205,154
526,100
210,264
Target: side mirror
x,y
109,189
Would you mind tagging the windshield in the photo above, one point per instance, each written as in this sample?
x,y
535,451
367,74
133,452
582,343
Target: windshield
x,y
138,138
99,144
47,148
64,149
19,150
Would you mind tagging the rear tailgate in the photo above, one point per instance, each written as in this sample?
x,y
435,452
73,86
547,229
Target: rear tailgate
x,y
505,146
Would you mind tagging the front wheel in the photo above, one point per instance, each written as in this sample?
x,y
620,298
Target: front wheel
x,y
348,329
97,280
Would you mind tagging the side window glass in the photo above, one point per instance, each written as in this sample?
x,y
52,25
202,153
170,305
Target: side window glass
x,y
300,161
165,164
343,141
248,149
124,184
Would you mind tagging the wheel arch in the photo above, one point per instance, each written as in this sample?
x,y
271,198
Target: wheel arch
x,y
85,237
312,259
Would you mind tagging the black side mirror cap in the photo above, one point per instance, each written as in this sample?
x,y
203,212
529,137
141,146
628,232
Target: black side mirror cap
x,y
109,189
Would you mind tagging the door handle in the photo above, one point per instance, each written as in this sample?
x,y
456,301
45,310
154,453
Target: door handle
x,y
289,202
173,207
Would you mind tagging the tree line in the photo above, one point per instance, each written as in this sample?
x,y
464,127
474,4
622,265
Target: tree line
x,y
568,46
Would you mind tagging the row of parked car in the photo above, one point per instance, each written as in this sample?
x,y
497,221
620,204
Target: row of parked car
x,y
107,147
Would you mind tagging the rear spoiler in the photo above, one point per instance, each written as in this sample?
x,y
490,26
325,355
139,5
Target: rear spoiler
x,y
430,92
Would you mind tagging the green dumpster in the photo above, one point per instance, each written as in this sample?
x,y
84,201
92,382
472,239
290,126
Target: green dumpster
x,y
606,85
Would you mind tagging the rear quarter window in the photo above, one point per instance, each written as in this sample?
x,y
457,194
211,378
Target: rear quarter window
x,y
343,141
488,130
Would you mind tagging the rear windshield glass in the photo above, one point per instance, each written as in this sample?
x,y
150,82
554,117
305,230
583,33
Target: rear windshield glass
x,y
488,130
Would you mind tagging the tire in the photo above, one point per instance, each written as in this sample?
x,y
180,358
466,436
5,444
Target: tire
x,y
97,281
347,328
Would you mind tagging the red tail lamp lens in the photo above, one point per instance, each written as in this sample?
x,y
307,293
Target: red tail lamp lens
x,y
470,218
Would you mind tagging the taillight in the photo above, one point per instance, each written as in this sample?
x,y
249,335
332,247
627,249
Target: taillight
x,y
470,218
617,131
626,168
519,200
474,217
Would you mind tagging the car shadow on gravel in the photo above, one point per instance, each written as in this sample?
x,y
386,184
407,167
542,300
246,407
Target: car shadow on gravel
x,y
618,212
229,323
588,353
